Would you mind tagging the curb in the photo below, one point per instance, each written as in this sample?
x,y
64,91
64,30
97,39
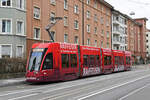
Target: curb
x,y
144,66
6,83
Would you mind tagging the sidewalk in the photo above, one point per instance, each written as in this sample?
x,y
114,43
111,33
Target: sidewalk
x,y
9,82
144,66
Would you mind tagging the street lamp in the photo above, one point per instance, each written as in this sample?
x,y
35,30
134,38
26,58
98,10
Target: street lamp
x,y
132,13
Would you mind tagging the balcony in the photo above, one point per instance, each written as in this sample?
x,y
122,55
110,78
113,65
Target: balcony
x,y
116,32
116,47
116,22
116,41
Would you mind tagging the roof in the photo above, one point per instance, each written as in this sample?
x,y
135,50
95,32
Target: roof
x,y
118,12
133,20
106,4
144,18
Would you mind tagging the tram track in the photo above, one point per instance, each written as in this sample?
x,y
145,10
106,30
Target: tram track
x,y
66,89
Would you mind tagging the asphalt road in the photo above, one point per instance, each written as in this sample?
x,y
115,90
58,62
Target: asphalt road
x,y
130,85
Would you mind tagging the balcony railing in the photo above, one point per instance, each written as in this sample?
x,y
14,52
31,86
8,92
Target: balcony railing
x,y
116,41
116,32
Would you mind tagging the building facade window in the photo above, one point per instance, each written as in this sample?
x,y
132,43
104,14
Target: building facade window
x,y
36,13
107,22
6,51
88,14
76,40
107,44
146,35
20,28
102,44
102,20
95,18
88,28
107,34
76,9
6,3
95,43
76,24
65,21
66,4
95,30
95,3
88,41
21,4
6,26
88,2
53,2
19,51
147,46
36,33
66,38
102,32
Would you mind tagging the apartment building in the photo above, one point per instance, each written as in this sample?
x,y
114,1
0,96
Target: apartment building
x,y
142,21
85,22
12,28
148,43
136,38
119,31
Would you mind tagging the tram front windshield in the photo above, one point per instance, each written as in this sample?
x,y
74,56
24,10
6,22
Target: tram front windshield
x,y
35,60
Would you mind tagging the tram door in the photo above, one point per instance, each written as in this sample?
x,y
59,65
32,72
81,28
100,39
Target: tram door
x,y
69,65
48,66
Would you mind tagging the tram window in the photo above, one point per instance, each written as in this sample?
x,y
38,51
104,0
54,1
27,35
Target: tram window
x,y
127,60
97,61
73,60
121,60
65,60
107,60
85,60
48,62
92,61
116,60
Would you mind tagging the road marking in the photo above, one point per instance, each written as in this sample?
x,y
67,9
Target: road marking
x,y
23,96
66,93
133,92
116,86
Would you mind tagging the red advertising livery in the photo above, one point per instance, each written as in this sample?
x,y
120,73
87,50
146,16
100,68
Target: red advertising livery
x,y
64,61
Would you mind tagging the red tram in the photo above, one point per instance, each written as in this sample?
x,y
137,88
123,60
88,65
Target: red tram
x,y
64,61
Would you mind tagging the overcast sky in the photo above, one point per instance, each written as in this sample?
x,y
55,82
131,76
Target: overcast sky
x,y
140,7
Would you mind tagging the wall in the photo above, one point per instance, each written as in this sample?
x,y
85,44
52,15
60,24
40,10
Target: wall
x,y
12,68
